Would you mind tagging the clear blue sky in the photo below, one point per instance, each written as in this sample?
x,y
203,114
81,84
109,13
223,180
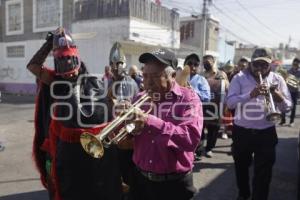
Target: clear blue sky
x,y
260,22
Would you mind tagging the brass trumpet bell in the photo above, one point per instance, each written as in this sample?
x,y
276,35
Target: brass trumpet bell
x,y
95,145
274,117
272,114
92,145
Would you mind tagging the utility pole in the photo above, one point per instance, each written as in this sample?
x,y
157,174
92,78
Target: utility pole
x,y
204,17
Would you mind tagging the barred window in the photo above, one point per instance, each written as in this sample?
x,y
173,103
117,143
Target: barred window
x,y
15,51
14,17
46,14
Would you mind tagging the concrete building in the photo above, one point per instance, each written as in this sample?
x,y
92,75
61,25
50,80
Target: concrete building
x,y
23,27
139,25
191,35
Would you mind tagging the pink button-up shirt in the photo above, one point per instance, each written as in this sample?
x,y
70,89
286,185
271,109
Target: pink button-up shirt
x,y
171,133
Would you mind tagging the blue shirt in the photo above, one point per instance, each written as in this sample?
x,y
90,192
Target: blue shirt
x,y
201,87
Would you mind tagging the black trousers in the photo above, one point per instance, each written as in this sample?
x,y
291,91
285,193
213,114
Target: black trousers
x,y
127,169
257,145
181,189
212,135
294,96
201,148
81,176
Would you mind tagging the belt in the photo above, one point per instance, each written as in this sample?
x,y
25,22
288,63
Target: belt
x,y
163,177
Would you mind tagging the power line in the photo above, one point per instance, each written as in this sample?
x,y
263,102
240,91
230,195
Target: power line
x,y
189,11
236,36
260,22
233,20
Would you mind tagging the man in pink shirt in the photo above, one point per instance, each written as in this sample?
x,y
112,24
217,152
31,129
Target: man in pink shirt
x,y
165,139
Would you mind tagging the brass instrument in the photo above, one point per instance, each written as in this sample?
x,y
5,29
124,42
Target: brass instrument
x,y
272,114
292,81
94,144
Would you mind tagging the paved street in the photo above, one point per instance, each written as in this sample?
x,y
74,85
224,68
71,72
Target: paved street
x,y
214,177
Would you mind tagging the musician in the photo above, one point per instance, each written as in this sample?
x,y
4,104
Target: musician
x,y
293,90
218,83
165,139
66,107
254,137
201,87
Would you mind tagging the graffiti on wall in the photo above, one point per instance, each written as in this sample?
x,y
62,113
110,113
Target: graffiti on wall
x,y
9,73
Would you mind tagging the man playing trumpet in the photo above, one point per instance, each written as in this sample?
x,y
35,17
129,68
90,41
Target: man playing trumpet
x,y
166,138
254,131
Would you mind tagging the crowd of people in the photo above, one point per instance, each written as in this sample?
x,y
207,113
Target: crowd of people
x,y
155,159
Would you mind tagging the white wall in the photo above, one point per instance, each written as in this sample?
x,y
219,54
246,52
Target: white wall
x,y
94,39
104,33
18,72
145,32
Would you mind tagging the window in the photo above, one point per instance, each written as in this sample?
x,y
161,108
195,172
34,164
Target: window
x,y
47,15
14,17
187,31
182,33
192,29
17,51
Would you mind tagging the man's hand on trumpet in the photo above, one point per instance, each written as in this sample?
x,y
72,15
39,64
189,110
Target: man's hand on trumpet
x,y
260,89
276,93
137,117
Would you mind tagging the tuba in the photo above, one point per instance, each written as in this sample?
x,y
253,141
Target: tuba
x,y
272,114
292,81
94,144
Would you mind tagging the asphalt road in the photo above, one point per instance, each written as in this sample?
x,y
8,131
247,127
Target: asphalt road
x,y
213,177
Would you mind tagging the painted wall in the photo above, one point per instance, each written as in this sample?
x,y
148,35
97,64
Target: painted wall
x,y
147,33
94,50
136,36
14,76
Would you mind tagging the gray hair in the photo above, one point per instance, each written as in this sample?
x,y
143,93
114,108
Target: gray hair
x,y
169,71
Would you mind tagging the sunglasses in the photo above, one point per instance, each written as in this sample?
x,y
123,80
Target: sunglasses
x,y
262,65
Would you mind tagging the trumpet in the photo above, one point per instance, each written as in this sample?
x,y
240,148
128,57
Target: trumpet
x,y
94,144
272,114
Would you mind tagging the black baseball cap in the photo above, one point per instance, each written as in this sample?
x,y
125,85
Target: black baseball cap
x,y
264,54
164,56
296,60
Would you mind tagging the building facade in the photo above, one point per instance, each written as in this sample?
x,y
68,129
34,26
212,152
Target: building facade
x,y
23,27
283,53
139,25
191,35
